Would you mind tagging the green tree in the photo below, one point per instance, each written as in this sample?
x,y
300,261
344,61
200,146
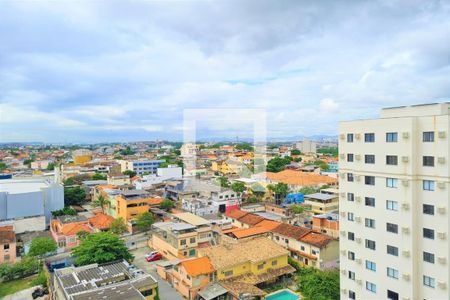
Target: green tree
x,y
296,209
295,152
244,146
51,166
129,173
308,190
278,164
164,165
66,211
316,284
167,204
3,166
27,266
144,221
100,247
41,246
328,151
177,152
252,199
223,181
118,226
280,190
101,202
74,196
126,151
238,187
258,190
77,180
98,176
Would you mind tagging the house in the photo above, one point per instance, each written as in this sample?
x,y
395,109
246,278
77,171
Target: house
x,y
308,247
327,224
101,222
214,291
203,227
141,166
7,244
64,230
113,281
322,203
131,203
162,174
244,266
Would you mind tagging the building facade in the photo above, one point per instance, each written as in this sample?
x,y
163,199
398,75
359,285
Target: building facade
x,y
394,196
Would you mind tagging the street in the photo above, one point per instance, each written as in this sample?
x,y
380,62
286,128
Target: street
x,y
166,292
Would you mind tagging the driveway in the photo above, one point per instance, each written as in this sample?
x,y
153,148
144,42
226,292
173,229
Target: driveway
x,y
166,291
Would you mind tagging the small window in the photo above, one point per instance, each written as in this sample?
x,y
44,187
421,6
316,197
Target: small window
x,y
391,295
428,185
351,255
371,287
392,160
428,257
428,209
182,242
351,275
370,223
391,137
349,137
228,273
350,216
428,136
391,272
370,265
428,233
369,137
350,197
192,240
274,262
391,205
261,266
351,295
428,161
390,227
350,177
351,236
350,157
392,250
428,281
6,247
391,182
370,201
369,180
370,244
369,159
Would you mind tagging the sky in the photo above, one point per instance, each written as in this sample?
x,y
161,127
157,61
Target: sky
x,y
107,71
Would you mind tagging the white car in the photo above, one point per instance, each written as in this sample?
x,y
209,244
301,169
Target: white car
x,y
151,254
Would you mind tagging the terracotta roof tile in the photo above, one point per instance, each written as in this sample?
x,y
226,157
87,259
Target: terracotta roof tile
x,y
235,214
198,266
291,231
316,239
101,221
268,224
7,235
251,219
247,232
74,228
293,177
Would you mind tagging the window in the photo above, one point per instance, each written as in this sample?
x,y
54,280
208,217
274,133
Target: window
x,y
428,233
369,159
350,197
261,266
391,205
428,257
350,216
370,244
392,160
350,177
370,201
370,265
369,180
391,182
428,136
392,295
146,292
393,273
428,209
391,137
350,157
228,273
182,242
351,295
6,247
369,137
351,236
349,137
370,223
392,250
192,240
351,255
274,262
428,281
428,161
428,185
192,252
351,275
390,227
371,287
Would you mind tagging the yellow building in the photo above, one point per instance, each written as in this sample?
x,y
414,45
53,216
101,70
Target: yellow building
x,y
131,203
243,266
82,156
227,167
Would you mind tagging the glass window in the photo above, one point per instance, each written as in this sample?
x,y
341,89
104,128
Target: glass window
x,y
428,281
391,205
428,209
428,233
182,242
392,160
369,159
428,257
351,255
370,265
351,236
370,201
369,180
391,137
350,177
371,287
428,185
393,273
428,136
391,182
390,227
370,244
369,137
351,295
370,223
428,161
350,216
350,157
351,275
392,250
349,137
391,295
350,197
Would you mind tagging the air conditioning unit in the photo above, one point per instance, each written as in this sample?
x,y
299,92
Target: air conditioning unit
x,y
357,177
405,182
342,232
405,206
342,156
342,175
358,240
441,160
344,252
344,291
343,214
406,253
441,185
405,230
359,281
442,235
358,157
358,261
342,194
342,136
442,285
358,219
405,135
343,272
406,277
357,136
405,159
441,134
442,260
358,199
441,210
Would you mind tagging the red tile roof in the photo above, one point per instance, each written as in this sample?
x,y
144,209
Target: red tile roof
x,y
316,239
101,221
235,214
251,219
291,231
198,266
7,235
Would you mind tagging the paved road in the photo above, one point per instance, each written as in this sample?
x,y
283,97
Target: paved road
x,y
166,291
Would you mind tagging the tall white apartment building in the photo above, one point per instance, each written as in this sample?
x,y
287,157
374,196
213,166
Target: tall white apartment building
x,y
306,146
394,204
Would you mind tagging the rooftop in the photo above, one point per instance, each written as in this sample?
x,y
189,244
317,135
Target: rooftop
x,y
197,266
191,219
7,235
292,177
20,186
71,219
321,196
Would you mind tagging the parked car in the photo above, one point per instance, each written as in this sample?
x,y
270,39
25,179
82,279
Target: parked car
x,y
152,256
39,293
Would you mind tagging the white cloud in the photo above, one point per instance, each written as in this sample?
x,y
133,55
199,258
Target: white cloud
x,y
329,105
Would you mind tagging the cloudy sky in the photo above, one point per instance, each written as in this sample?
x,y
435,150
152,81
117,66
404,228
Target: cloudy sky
x,y
95,71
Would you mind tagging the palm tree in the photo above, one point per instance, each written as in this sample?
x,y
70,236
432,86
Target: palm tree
x,y
101,201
